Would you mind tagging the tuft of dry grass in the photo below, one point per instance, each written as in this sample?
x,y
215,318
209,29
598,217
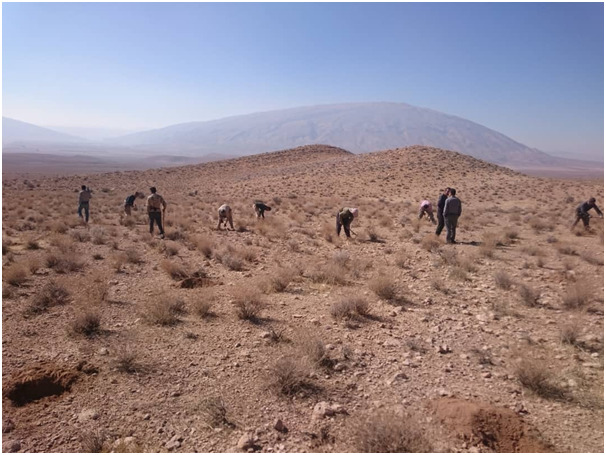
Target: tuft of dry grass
x,y
570,332
289,376
204,245
64,262
384,286
248,303
350,307
174,270
490,241
577,296
277,281
133,256
536,377
312,348
16,274
203,306
51,294
430,243
92,442
126,360
330,273
503,280
214,413
387,432
528,295
164,311
87,323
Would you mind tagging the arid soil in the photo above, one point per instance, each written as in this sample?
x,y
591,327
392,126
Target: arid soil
x,y
280,336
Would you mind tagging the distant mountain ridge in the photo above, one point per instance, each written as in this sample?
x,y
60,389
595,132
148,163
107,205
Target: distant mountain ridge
x,y
16,131
357,127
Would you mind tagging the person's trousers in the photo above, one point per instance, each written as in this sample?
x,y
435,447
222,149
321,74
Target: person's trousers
x,y
83,206
155,217
440,222
451,227
584,217
127,209
345,226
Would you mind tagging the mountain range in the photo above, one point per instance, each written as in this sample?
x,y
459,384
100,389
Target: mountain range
x,y
356,127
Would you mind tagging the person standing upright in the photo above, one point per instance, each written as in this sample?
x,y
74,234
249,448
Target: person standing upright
x,y
452,212
441,202
156,207
84,202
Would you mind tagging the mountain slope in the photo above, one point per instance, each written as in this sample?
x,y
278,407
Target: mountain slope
x,y
15,131
359,127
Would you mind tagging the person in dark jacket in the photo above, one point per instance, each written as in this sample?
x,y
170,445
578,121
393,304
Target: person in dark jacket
x,y
84,202
260,209
452,212
129,202
441,202
582,214
344,218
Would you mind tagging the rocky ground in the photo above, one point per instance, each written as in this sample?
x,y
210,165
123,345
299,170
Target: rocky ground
x,y
280,336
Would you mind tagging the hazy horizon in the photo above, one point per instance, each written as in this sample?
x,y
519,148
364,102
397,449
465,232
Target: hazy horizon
x,y
102,68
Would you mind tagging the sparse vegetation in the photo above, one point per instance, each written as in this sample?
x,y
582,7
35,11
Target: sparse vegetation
x,y
87,323
387,432
384,286
290,376
536,377
51,294
577,296
350,307
248,303
164,310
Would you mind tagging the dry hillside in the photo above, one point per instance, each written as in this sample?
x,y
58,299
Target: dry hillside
x,y
280,336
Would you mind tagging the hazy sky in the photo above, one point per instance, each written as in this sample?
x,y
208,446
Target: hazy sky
x,y
534,72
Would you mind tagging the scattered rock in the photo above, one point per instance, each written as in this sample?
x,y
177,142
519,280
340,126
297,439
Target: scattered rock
x,y
103,351
443,349
279,426
400,376
321,410
88,414
246,441
11,446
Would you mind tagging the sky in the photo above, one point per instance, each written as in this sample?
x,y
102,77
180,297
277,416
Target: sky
x,y
532,71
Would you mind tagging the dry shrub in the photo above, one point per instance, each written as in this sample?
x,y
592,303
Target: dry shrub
x,y
174,270
503,280
536,376
591,259
533,250
350,307
384,286
277,281
401,259
248,303
567,249
569,332
204,245
232,262
16,274
539,224
388,432
373,235
92,442
328,232
213,411
126,360
32,244
164,310
329,273
430,242
203,305
529,296
289,376
64,262
577,296
98,236
80,236
449,257
511,233
490,241
133,256
341,258
87,323
313,348
51,294
458,274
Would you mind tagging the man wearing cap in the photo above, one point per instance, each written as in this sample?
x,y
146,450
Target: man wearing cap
x,y
582,214
344,218
156,206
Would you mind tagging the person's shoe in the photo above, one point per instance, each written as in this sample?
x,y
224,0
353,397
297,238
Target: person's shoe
x,y
161,236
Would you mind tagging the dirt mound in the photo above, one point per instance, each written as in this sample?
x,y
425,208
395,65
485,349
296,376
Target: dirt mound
x,y
38,382
499,429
